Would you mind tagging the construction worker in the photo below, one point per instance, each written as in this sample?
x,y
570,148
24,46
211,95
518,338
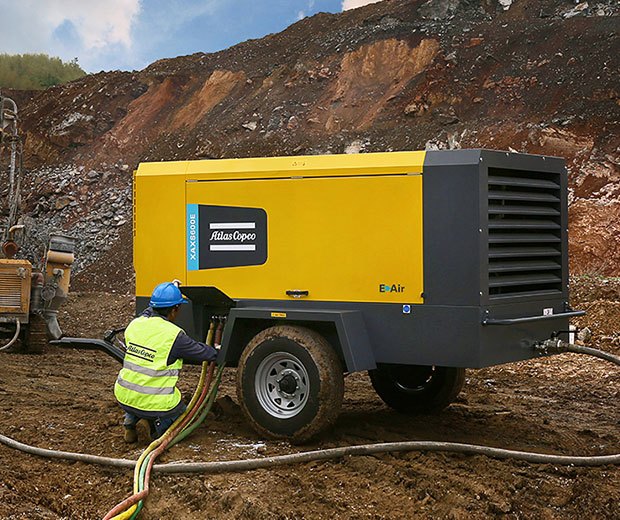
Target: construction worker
x,y
156,348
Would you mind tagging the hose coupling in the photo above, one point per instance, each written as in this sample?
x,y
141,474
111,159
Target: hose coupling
x,y
550,346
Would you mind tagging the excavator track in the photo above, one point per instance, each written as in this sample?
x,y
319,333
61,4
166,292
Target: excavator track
x,y
36,338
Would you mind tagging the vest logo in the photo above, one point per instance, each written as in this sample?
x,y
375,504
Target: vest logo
x,y
225,236
141,352
396,287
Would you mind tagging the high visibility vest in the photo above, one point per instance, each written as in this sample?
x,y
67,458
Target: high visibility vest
x,y
146,381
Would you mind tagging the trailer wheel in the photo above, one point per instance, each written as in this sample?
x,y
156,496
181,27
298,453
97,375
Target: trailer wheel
x,y
417,388
289,383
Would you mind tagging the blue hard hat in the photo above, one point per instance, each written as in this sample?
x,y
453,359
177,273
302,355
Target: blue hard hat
x,y
166,295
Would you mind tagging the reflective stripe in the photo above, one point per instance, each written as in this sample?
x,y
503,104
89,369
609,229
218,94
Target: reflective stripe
x,y
145,389
147,382
149,371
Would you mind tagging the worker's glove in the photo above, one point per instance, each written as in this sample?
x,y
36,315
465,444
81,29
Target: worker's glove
x,y
176,282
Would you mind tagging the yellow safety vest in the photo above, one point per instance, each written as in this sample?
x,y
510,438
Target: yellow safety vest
x,y
146,381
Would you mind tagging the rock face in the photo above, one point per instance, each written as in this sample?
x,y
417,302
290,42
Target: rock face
x,y
531,76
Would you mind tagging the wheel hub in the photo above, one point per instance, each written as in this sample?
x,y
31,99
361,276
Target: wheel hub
x,y
288,383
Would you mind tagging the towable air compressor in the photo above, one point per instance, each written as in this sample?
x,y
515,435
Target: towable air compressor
x,y
411,265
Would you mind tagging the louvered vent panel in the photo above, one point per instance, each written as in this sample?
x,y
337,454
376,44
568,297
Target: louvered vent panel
x,y
525,240
11,289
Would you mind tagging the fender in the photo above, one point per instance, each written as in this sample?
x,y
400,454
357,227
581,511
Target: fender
x,y
353,342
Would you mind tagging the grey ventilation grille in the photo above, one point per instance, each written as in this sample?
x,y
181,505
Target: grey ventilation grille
x,y
525,239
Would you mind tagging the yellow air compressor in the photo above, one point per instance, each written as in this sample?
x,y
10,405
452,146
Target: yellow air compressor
x,y
411,265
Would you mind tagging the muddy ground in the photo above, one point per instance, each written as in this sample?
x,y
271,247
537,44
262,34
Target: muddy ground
x,y
567,404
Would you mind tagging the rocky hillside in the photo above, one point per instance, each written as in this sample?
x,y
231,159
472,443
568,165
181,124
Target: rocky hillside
x,y
537,76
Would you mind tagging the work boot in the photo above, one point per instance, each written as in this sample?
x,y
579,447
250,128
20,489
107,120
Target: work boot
x,y
131,435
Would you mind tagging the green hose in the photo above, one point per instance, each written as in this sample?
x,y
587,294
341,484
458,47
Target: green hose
x,y
130,508
205,410
197,412
208,403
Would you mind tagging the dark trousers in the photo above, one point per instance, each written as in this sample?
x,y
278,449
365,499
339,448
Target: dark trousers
x,y
157,425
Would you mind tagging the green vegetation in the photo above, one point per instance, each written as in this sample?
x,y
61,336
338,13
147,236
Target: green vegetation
x,y
36,71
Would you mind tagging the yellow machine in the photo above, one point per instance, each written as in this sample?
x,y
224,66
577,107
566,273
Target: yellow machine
x,y
329,225
29,297
412,265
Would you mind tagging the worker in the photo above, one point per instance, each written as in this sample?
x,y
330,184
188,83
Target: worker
x,y
156,348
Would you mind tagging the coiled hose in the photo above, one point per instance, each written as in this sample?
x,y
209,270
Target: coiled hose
x,y
18,328
141,473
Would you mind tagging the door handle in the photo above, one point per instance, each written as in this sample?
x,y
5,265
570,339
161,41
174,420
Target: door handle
x,y
297,293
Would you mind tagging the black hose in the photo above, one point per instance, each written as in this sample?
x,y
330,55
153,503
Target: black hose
x,y
331,453
601,354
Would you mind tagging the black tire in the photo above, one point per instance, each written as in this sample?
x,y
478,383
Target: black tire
x,y
415,388
289,383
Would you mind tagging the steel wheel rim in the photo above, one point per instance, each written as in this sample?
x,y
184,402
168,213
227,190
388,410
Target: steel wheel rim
x,y
421,383
272,372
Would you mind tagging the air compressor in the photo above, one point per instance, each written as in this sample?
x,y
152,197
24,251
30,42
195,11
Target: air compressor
x,y
413,266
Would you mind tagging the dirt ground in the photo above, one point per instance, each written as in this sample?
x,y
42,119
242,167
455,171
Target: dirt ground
x,y
566,404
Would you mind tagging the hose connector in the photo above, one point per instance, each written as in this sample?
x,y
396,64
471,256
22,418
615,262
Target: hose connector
x,y
555,345
550,346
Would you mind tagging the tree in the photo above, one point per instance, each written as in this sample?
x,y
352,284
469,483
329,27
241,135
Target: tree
x,y
36,71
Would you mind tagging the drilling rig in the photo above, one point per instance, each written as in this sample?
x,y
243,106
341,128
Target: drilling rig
x,y
30,295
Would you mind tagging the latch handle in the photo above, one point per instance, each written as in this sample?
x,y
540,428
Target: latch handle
x,y
297,293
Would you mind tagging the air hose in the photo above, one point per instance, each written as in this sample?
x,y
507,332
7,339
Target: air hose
x,y
558,346
179,430
130,508
230,466
18,327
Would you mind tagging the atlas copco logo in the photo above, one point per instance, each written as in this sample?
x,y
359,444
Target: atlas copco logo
x,y
237,236
394,287
225,236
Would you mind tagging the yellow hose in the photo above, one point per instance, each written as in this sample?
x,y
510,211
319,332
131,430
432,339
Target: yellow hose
x,y
126,514
136,476
192,403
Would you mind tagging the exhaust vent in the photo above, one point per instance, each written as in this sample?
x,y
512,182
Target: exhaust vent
x,y
525,233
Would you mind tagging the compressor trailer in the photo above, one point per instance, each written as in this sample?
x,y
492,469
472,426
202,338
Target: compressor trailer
x,y
411,265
